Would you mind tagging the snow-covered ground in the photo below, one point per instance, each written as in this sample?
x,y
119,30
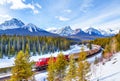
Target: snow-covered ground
x,y
6,62
73,49
41,77
109,71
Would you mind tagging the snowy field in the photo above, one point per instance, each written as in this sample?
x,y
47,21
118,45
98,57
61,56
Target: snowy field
x,y
110,71
5,62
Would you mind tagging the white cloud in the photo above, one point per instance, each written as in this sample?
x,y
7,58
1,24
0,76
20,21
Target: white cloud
x,y
38,5
61,18
114,24
50,28
4,17
35,11
23,0
19,4
2,2
85,5
68,11
98,21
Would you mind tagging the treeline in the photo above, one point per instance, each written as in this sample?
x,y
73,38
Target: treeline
x,y
111,45
11,45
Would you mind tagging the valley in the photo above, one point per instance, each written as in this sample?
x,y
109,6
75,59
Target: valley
x,y
59,40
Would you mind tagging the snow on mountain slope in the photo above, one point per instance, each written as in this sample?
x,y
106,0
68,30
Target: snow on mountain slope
x,y
110,71
77,31
17,27
66,31
15,23
108,32
53,30
32,28
93,31
11,24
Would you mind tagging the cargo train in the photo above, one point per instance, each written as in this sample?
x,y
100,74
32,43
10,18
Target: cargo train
x,y
42,63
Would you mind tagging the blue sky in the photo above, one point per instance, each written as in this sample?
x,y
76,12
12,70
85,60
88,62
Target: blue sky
x,y
48,14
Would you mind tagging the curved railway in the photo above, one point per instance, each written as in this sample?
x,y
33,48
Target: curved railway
x,y
42,63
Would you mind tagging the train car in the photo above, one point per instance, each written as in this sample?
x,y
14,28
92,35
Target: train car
x,y
90,53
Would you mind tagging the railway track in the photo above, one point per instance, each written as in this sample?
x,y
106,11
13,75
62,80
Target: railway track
x,y
8,77
4,78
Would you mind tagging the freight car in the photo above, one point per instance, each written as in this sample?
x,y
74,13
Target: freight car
x,y
90,53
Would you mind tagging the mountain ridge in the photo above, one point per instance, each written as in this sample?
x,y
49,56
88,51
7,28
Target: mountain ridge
x,y
17,27
90,31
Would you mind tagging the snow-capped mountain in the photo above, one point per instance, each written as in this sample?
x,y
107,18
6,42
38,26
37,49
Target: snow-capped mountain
x,y
88,34
108,32
32,28
93,31
79,32
66,31
11,24
17,27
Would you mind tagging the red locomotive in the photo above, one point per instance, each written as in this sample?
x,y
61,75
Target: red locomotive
x,y
43,62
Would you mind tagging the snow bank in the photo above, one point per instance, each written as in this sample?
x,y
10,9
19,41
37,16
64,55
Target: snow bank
x,y
6,62
41,77
110,71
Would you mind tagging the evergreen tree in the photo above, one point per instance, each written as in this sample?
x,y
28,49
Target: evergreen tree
x,y
82,55
8,49
71,74
107,51
27,48
51,69
34,49
39,49
60,64
1,55
22,69
113,44
12,51
90,45
23,44
83,67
